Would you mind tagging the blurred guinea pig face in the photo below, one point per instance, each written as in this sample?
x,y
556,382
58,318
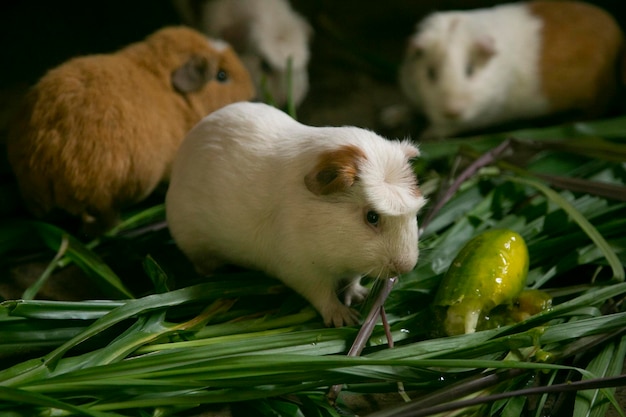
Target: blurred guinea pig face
x,y
447,83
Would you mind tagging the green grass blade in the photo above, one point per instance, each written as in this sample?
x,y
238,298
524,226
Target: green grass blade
x,y
609,362
58,310
147,216
156,274
585,225
21,397
85,258
291,105
32,291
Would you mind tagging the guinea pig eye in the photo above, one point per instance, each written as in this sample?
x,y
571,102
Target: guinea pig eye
x,y
266,67
372,217
222,76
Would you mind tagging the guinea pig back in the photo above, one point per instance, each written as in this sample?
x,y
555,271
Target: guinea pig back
x,y
582,47
99,132
315,207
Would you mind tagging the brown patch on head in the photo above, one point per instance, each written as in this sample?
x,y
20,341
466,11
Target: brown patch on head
x,y
579,53
482,51
335,171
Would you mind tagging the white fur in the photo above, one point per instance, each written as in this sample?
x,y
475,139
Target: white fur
x,y
267,31
219,45
238,195
507,87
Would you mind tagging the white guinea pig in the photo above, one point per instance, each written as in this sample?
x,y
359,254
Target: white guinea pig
x,y
312,206
265,34
473,69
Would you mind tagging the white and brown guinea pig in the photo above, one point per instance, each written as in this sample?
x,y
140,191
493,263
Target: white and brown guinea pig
x,y
316,207
265,34
473,69
99,133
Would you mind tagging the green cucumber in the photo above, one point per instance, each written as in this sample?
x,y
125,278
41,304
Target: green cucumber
x,y
489,271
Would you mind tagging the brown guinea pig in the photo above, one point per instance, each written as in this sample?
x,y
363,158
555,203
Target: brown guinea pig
x,y
99,133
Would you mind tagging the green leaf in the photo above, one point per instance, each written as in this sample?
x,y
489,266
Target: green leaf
x,y
585,225
609,362
158,277
147,216
20,397
85,258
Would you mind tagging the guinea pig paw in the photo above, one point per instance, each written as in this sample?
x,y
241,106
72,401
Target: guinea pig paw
x,y
340,316
355,293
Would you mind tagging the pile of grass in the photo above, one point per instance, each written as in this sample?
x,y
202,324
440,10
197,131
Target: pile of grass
x,y
244,339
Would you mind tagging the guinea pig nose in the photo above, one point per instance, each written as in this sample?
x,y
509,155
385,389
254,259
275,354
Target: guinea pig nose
x,y
452,112
453,107
402,266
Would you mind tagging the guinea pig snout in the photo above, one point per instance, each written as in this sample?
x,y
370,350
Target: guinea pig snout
x,y
402,264
453,108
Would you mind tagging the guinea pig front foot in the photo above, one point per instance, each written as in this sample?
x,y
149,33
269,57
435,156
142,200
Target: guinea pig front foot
x,y
355,293
336,314
321,292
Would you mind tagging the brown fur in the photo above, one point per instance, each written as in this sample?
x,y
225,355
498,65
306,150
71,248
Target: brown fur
x,y
580,58
335,171
99,133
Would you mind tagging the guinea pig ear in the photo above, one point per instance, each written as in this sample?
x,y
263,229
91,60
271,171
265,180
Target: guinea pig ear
x,y
192,75
335,171
485,47
411,151
415,48
308,30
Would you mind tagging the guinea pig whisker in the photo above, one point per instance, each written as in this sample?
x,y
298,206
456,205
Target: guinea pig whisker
x,y
380,273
